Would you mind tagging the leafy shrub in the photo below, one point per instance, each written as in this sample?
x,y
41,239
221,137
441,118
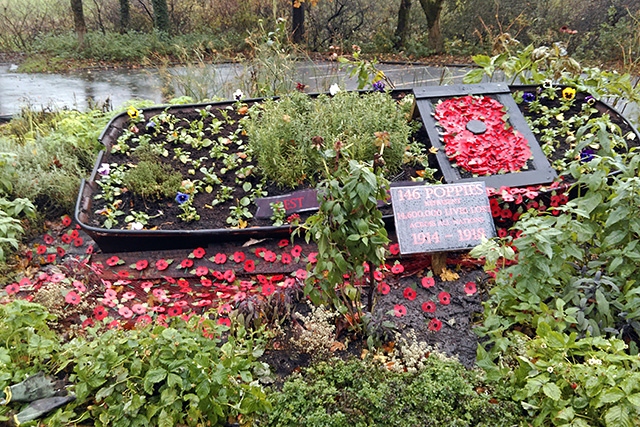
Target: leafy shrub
x,y
27,344
287,134
50,157
578,382
152,180
356,393
163,376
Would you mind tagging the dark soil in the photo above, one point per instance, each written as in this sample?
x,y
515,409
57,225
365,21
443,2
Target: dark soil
x,y
211,218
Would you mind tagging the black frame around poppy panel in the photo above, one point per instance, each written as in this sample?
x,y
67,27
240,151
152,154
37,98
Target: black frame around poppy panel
x,y
427,96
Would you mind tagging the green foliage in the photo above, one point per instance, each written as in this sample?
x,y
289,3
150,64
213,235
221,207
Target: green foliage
x,y
356,393
366,71
27,344
349,231
288,135
567,381
49,158
271,69
163,376
152,180
532,65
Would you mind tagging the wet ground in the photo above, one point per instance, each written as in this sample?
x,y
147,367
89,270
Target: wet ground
x,y
81,89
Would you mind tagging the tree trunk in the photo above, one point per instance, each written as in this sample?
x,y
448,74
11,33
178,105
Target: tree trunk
x,y
125,16
432,10
402,29
161,16
78,21
297,22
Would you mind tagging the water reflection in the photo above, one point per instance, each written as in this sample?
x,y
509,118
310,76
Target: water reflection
x,y
82,89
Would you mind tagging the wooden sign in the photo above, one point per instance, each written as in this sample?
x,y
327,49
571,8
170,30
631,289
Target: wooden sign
x,y
435,218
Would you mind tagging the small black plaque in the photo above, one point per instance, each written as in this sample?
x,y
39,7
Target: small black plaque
x,y
299,201
435,218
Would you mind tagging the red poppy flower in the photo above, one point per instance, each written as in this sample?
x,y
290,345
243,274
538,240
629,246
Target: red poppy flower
x,y
138,308
89,250
80,287
384,288
249,266
186,263
205,282
125,312
270,256
66,220
66,238
142,264
502,232
123,274
239,257
276,278
74,234
229,276
499,148
397,269
161,265
113,261
48,239
296,250
78,241
268,289
143,320
428,282
41,249
399,310
72,298
12,289
199,253
25,281
312,257
286,258
283,243
51,258
174,311
394,249
201,270
506,213
301,274
410,294
218,275
224,321
444,298
220,258
429,307
470,288
87,323
99,312
182,282
260,252
435,325
262,279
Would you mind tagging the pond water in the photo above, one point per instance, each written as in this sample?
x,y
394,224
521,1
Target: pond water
x,y
82,89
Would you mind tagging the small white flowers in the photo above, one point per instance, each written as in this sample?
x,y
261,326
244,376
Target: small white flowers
x,y
334,89
104,169
594,361
136,226
238,95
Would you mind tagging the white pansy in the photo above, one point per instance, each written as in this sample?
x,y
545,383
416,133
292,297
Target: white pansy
x,y
238,95
334,89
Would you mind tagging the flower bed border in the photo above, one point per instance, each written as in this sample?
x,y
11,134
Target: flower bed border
x,y
542,172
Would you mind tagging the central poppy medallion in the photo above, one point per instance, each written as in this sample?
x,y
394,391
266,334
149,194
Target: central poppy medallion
x,y
478,137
